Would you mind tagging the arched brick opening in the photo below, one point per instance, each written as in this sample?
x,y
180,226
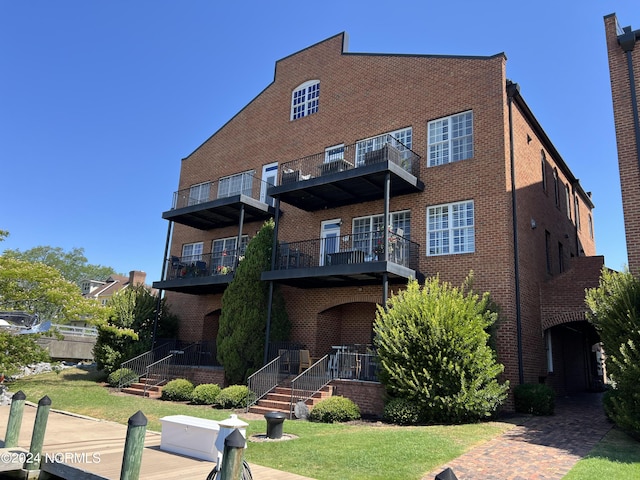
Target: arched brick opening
x,y
345,324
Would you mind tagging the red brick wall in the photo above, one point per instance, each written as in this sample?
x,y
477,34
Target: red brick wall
x,y
366,95
625,137
369,396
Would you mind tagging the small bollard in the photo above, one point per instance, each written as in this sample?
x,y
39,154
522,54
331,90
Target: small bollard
x,y
446,474
37,437
133,446
275,425
15,419
232,458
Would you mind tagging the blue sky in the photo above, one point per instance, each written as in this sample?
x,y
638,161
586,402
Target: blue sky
x,y
100,101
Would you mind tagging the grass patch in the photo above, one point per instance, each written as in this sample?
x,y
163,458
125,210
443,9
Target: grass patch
x,y
617,456
322,451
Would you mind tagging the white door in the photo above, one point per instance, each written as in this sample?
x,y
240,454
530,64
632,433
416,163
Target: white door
x,y
329,239
269,179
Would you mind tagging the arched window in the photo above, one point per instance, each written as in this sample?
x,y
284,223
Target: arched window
x,y
305,99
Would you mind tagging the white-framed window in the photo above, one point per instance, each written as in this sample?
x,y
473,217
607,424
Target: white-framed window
x,y
368,230
450,139
192,252
567,194
576,208
334,153
224,253
402,140
199,193
556,188
305,99
450,228
240,183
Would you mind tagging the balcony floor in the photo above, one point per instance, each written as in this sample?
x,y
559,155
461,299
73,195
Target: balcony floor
x,y
348,187
221,212
196,285
358,274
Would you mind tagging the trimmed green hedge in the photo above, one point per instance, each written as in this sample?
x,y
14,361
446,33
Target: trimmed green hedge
x,y
178,390
205,394
534,398
402,411
335,409
234,396
124,375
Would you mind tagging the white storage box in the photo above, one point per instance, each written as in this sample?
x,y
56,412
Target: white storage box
x,y
191,436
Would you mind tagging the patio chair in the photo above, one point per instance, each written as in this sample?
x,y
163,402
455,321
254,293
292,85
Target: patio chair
x,y
305,360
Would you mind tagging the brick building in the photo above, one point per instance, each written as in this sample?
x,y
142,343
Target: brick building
x,y
438,159
624,69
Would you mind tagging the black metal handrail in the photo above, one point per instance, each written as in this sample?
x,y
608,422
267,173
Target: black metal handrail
x,y
203,265
264,380
245,183
352,248
380,149
309,382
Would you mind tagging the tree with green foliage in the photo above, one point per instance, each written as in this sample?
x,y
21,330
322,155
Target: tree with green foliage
x,y
614,310
241,336
433,349
18,351
129,329
73,265
37,288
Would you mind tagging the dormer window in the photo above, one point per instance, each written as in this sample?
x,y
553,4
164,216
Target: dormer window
x,y
305,99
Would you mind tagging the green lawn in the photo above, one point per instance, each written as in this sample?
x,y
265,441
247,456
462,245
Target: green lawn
x,y
323,451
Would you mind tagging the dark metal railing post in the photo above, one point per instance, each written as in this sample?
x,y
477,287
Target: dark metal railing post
x,y
15,419
37,437
134,444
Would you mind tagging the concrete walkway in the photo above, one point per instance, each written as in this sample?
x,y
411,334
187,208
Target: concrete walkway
x,y
97,446
540,448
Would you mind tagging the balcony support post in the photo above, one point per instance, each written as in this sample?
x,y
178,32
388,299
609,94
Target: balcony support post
x,y
274,253
163,276
385,278
239,240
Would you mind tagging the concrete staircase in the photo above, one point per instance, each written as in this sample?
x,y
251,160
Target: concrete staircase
x,y
137,388
279,400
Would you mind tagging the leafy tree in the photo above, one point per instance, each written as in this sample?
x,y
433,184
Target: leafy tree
x,y
243,321
19,350
72,264
614,310
432,346
129,330
38,288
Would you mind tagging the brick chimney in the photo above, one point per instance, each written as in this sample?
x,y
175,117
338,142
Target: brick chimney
x,y
137,277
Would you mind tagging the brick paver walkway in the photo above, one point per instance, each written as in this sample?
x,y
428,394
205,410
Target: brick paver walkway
x,y
539,448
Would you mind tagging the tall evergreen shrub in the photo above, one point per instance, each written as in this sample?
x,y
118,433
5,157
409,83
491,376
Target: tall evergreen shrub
x,y
433,351
243,320
614,310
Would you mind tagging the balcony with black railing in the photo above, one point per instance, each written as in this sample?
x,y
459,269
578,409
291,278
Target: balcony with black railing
x,y
219,203
349,174
198,274
355,259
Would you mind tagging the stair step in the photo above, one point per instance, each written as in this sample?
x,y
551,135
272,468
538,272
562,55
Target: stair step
x,y
262,410
141,392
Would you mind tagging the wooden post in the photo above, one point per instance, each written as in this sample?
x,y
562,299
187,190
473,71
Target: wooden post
x,y
37,437
15,419
134,444
232,458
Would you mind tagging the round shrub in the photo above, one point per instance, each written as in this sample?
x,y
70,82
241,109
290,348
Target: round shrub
x,y
534,398
178,390
402,411
234,396
205,394
334,409
124,376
